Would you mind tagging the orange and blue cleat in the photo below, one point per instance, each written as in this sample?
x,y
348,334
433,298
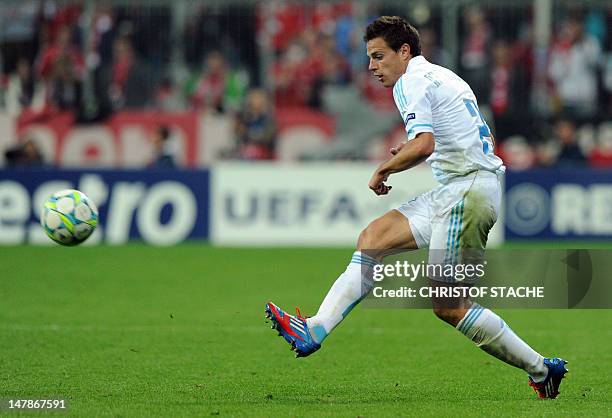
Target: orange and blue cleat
x,y
549,387
293,329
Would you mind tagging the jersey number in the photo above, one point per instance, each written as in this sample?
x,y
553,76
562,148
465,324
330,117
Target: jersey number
x,y
483,128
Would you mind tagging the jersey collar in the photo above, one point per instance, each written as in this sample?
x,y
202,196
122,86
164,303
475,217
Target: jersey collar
x,y
415,62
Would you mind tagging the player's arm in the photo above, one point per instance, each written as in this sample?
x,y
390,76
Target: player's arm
x,y
406,156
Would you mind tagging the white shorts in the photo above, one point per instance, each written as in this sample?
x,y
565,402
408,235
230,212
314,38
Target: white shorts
x,y
453,220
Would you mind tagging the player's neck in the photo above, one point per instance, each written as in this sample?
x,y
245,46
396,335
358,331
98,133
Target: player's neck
x,y
407,63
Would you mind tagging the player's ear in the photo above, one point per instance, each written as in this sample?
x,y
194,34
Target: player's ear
x,y
405,51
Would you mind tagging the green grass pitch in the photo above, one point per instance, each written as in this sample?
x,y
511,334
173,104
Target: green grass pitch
x,y
141,331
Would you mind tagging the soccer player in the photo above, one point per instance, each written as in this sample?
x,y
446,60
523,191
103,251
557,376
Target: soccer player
x,y
445,128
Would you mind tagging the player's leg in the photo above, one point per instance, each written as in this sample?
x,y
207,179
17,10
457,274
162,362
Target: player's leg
x,y
390,231
489,332
462,236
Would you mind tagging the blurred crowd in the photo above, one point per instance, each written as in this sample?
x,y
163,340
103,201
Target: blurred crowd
x,y
546,108
120,55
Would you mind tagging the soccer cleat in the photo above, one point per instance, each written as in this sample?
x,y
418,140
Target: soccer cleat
x,y
293,329
549,387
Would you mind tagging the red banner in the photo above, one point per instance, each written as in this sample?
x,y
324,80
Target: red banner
x,y
124,140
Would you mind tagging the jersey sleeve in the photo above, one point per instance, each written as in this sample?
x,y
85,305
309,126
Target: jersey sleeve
x,y
414,105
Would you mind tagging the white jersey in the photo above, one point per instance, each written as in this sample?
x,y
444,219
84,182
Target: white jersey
x,y
433,99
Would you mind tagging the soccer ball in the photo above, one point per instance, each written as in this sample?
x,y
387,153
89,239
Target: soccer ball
x,y
69,217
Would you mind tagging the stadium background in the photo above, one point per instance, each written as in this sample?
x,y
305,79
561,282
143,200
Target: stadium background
x,y
209,126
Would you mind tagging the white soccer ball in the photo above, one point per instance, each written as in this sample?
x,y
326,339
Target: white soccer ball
x,y
69,217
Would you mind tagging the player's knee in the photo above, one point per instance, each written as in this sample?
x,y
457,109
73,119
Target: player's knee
x,y
363,239
368,239
448,315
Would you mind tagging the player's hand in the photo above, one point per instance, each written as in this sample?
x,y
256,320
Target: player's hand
x,y
394,150
377,183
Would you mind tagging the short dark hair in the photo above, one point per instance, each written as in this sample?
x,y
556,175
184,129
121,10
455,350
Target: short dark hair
x,y
396,31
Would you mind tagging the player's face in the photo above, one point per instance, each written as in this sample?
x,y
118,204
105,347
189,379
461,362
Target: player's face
x,y
386,64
